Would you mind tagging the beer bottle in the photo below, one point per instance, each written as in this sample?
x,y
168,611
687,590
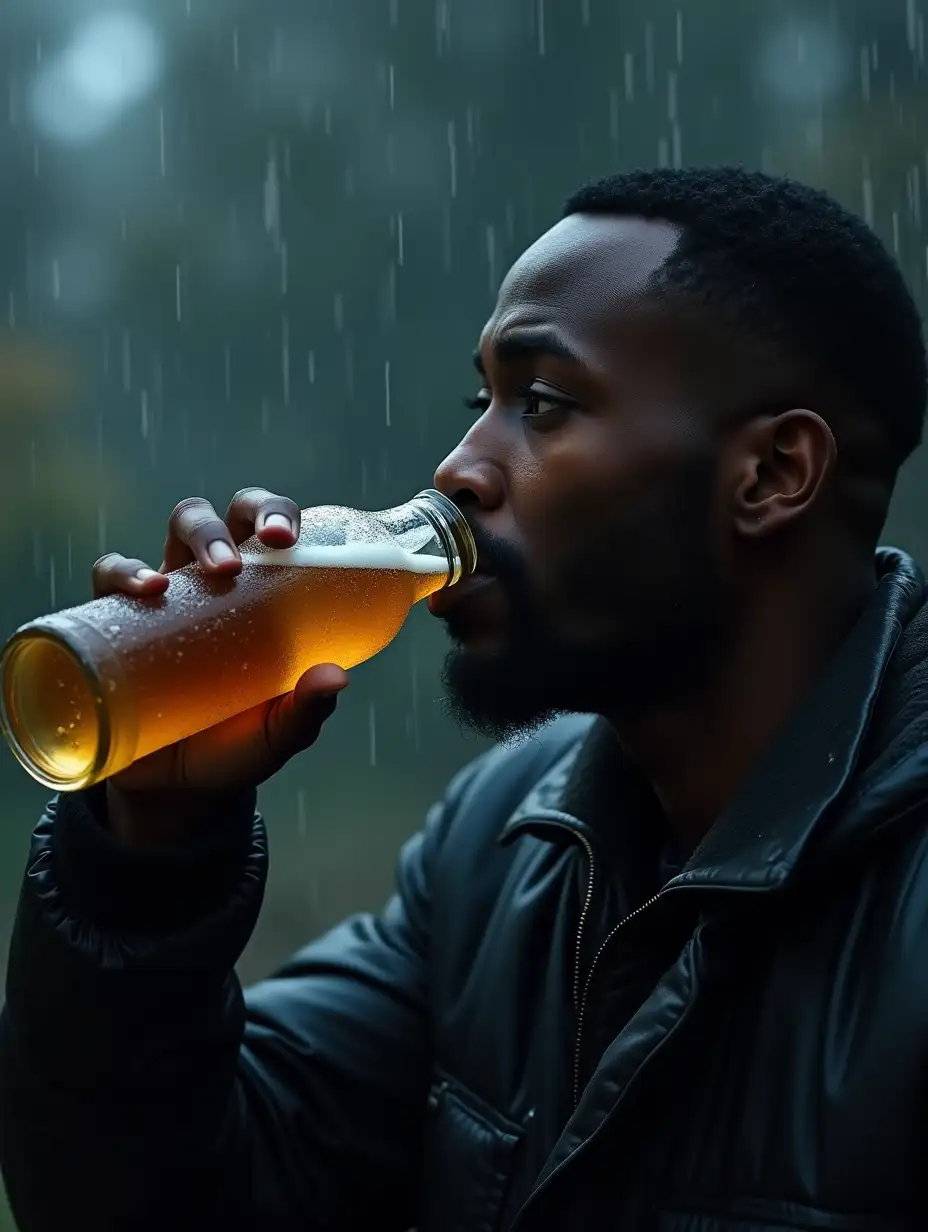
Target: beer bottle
x,y
89,690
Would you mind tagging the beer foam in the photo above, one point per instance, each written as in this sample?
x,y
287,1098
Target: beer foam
x,y
350,556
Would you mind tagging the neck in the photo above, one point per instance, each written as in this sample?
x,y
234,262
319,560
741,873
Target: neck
x,y
697,754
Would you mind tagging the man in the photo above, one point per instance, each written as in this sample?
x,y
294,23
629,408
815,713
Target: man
x,y
664,968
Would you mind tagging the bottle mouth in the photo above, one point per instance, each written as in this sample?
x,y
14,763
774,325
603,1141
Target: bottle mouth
x,y
452,529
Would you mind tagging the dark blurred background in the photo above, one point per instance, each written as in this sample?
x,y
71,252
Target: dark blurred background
x,y
254,241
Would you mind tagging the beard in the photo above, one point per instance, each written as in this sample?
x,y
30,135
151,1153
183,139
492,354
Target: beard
x,y
633,620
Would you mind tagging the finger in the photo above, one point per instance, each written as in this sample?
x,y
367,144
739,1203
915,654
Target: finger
x,y
197,532
275,519
294,721
114,574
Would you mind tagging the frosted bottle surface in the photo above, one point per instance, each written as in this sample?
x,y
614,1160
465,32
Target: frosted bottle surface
x,y
93,688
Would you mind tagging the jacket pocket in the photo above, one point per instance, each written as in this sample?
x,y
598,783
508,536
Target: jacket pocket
x,y
469,1149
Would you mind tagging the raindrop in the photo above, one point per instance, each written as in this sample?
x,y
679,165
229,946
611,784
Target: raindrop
x,y
311,367
585,12
235,61
913,187
391,85
144,410
11,309
491,257
272,197
52,586
541,27
470,126
672,97
867,189
285,358
649,56
679,36
453,158
56,279
865,73
386,390
399,238
394,12
442,26
178,294
162,158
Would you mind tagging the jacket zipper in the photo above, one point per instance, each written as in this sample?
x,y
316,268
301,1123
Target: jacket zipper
x,y
580,1000
581,1008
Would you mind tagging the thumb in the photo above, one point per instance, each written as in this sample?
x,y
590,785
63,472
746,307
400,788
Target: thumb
x,y
294,721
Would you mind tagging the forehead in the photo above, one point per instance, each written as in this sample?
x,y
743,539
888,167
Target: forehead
x,y
585,276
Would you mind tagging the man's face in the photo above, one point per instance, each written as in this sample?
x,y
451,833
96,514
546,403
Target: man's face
x,y
589,477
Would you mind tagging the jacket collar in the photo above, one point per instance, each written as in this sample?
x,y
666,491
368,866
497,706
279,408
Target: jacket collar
x,y
759,839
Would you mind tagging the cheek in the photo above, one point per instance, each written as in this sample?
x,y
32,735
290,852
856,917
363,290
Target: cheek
x,y
597,488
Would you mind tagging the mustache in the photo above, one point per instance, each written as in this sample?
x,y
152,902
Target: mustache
x,y
500,558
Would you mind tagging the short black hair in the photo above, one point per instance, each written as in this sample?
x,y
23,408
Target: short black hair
x,y
791,265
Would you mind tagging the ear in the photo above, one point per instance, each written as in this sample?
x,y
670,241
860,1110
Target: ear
x,y
783,463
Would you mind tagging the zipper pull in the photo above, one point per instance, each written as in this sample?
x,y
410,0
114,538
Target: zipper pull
x,y
436,1094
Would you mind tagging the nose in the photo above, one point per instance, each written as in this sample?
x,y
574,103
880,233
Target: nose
x,y
471,478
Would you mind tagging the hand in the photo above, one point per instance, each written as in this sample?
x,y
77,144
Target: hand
x,y
166,788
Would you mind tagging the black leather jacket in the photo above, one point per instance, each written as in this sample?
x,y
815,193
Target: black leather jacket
x,y
533,1034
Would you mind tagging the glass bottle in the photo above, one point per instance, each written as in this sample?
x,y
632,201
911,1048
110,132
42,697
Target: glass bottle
x,y
89,690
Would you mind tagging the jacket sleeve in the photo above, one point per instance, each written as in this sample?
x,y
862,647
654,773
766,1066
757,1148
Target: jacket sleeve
x,y
140,1089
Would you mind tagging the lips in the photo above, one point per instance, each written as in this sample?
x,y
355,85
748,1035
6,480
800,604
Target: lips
x,y
442,602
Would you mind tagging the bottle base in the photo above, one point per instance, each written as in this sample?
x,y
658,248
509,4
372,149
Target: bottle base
x,y
51,710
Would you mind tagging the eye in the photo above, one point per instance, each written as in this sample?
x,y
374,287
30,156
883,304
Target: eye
x,y
546,409
479,403
537,405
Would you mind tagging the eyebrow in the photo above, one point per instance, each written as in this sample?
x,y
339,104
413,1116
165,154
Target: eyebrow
x,y
528,344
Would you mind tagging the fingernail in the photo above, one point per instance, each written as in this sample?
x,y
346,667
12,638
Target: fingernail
x,y
220,552
144,575
278,521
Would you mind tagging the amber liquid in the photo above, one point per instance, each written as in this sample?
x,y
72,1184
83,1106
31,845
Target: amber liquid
x,y
204,651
